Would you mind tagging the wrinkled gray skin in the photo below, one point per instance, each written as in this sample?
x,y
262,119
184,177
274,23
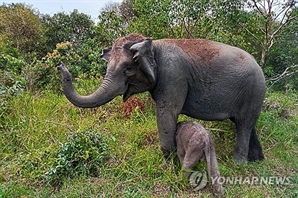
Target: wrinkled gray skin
x,y
194,143
199,78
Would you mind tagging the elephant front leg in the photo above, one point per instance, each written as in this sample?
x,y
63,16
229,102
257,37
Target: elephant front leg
x,y
167,123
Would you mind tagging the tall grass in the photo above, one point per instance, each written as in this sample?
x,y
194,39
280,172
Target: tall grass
x,y
38,124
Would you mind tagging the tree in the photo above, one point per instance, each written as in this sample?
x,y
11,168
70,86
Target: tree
x,y
211,19
282,59
110,26
270,18
62,27
21,26
126,11
152,18
190,18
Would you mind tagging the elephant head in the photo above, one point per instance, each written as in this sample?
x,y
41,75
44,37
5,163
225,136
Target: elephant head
x,y
131,69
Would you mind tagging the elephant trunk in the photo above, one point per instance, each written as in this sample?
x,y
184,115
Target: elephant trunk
x,y
105,93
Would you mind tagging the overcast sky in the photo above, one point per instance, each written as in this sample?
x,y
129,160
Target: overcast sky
x,y
89,7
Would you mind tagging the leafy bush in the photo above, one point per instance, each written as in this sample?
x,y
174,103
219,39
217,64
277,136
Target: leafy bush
x,y
285,81
6,92
11,65
45,72
11,81
83,153
10,85
82,61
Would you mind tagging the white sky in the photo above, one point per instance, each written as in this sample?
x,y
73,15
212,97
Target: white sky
x,y
89,7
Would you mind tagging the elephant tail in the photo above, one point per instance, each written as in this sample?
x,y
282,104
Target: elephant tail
x,y
212,165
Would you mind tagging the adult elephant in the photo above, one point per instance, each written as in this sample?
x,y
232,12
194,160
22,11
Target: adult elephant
x,y
199,78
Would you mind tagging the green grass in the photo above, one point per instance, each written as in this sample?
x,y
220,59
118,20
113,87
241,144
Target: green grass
x,y
38,124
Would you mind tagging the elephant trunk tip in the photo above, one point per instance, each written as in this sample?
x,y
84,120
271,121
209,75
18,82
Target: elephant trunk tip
x,y
61,66
64,71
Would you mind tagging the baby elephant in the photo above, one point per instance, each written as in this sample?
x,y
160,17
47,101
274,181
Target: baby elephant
x,y
194,143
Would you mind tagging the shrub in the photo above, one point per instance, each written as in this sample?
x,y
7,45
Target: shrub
x,y
10,71
82,61
11,81
82,154
285,84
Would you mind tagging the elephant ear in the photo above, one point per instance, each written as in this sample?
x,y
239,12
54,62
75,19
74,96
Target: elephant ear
x,y
144,57
106,54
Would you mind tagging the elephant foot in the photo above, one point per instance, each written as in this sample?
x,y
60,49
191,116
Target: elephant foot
x,y
253,155
239,159
170,155
166,154
255,152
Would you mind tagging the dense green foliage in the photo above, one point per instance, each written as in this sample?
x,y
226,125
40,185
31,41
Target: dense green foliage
x,y
39,137
49,148
43,41
83,153
21,28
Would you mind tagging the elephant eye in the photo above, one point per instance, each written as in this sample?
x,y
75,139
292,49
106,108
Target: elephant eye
x,y
128,67
130,70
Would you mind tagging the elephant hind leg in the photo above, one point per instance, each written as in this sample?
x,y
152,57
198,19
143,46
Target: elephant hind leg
x,y
248,147
192,156
255,152
240,154
241,149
